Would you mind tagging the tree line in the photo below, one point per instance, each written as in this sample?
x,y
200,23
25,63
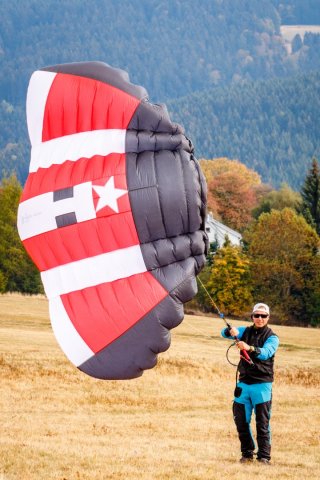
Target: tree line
x,y
278,261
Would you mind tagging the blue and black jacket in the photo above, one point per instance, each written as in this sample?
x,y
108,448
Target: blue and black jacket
x,y
266,343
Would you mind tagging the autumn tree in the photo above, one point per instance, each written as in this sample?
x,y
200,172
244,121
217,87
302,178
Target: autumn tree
x,y
285,264
311,196
229,281
17,272
285,197
233,191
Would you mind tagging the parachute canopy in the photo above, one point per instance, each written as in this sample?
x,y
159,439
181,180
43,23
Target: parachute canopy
x,y
112,214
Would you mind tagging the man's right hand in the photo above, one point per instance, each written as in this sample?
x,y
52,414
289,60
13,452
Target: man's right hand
x,y
234,332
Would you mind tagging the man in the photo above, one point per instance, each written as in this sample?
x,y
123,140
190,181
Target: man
x,y
254,388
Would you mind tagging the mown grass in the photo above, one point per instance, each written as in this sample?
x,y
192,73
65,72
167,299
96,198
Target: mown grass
x,y
174,422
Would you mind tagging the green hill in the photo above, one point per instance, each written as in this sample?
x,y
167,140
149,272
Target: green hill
x,y
171,47
272,127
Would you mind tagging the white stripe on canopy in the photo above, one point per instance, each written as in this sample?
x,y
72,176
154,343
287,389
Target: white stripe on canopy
x,y
76,146
67,336
92,271
38,90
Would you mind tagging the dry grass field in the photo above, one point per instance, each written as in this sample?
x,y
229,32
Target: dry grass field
x,y
174,422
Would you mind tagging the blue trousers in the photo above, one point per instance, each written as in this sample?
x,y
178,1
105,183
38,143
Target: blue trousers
x,y
257,398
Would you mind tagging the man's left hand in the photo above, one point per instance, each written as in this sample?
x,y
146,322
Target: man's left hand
x,y
243,345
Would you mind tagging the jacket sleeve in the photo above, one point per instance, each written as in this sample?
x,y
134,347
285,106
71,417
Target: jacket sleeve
x,y
225,333
269,348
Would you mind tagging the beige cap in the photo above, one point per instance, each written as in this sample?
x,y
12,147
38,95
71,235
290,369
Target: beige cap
x,y
261,308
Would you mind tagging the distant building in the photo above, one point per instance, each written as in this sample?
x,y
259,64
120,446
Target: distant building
x,y
217,232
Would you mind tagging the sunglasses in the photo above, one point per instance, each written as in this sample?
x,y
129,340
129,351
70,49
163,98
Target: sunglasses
x,y
260,315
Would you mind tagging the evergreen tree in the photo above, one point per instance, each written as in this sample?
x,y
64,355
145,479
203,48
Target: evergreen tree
x,y
213,247
311,196
296,43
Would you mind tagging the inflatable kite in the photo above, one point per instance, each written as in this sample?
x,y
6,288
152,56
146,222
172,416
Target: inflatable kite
x,y
112,214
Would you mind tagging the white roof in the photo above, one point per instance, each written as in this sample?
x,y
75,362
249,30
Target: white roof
x,y
216,231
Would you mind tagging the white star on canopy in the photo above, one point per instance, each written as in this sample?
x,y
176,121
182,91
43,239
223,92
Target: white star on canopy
x,y
109,195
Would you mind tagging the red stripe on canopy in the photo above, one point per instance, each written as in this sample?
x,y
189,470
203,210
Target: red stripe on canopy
x,y
71,173
103,313
79,104
82,240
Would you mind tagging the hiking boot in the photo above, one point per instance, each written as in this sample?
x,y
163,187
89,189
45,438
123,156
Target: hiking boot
x,y
264,460
246,459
